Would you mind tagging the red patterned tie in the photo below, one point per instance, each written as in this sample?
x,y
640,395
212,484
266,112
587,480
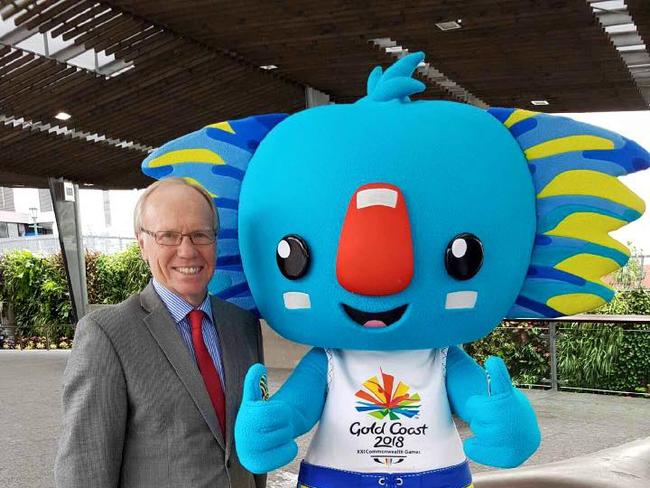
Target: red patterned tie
x,y
208,371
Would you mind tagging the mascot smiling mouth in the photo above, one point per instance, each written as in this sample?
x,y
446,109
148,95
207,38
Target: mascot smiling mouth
x,y
373,320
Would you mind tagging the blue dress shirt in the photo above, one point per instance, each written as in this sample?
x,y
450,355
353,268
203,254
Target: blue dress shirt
x,y
179,308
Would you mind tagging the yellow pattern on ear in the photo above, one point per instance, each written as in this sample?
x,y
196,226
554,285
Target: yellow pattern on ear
x,y
574,168
573,303
186,156
595,184
588,266
567,144
224,126
517,116
194,182
590,227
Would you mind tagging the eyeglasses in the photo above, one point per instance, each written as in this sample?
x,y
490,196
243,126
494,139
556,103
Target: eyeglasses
x,y
172,238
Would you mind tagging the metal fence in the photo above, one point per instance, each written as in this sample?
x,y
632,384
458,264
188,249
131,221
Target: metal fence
x,y
547,333
555,331
49,244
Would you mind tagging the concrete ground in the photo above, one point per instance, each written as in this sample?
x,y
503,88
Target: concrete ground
x,y
30,411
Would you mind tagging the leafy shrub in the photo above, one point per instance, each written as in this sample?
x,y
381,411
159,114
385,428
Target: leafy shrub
x,y
55,307
614,357
22,273
37,289
522,346
92,277
609,356
118,276
597,356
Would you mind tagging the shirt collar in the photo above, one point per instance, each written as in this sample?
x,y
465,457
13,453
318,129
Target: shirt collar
x,y
177,306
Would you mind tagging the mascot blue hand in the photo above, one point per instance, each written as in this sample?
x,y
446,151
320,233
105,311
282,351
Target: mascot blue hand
x,y
503,422
263,429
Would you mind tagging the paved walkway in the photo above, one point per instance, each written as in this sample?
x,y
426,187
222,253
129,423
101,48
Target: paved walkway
x,y
30,411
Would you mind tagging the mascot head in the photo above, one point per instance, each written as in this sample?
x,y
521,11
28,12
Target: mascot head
x,y
395,224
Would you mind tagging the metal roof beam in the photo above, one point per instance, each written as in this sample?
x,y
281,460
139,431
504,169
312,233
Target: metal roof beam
x,y
61,130
627,40
17,35
609,19
21,33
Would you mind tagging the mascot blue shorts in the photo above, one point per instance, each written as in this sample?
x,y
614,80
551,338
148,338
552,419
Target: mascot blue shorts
x,y
385,234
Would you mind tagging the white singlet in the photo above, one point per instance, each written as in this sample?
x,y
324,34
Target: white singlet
x,y
386,411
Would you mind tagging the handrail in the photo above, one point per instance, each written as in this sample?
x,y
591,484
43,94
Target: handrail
x,y
551,323
586,318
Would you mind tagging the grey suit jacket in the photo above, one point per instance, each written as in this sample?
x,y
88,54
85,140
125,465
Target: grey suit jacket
x,y
135,410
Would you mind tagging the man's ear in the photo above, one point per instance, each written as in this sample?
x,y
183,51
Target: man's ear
x,y
140,239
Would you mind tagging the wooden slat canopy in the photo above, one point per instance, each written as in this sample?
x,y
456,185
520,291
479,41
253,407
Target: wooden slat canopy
x,y
196,62
47,154
640,11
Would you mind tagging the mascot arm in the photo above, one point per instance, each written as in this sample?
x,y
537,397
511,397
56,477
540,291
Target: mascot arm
x,y
266,428
465,378
305,390
500,416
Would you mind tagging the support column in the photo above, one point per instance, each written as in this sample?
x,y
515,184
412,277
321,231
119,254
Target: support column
x,y
65,200
552,337
315,98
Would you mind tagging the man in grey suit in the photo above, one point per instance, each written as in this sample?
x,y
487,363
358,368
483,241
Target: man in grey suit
x,y
153,385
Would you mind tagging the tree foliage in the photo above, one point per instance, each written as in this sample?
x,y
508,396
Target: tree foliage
x,y
598,356
37,287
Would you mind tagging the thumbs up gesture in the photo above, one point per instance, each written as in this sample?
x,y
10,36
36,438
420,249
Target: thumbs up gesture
x,y
503,422
263,430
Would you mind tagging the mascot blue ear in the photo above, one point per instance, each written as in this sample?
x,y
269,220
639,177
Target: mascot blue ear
x,y
580,200
216,158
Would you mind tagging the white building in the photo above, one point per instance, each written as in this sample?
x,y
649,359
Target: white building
x,y
26,212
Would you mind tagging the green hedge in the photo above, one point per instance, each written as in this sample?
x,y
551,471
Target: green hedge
x,y
37,287
596,356
612,357
522,346
112,278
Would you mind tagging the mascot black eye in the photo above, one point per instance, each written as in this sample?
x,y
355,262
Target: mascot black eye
x,y
464,256
292,256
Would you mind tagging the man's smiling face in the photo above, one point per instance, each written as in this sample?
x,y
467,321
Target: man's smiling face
x,y
187,268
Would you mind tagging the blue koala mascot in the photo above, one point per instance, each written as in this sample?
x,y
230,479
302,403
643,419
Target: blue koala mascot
x,y
385,234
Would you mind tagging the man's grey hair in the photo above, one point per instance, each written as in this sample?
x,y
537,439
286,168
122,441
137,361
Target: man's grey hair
x,y
140,205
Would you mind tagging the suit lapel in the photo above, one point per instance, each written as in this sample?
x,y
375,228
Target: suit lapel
x,y
163,329
232,368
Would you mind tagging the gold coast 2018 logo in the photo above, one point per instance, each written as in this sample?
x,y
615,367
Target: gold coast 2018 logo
x,y
391,404
384,399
